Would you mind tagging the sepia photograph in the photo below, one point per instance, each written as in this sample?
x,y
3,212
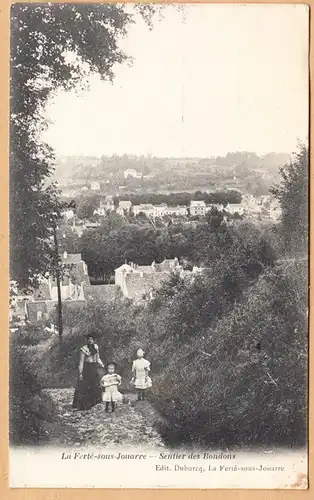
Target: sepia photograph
x,y
159,231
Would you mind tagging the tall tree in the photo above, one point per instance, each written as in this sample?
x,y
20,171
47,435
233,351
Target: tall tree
x,y
292,194
52,46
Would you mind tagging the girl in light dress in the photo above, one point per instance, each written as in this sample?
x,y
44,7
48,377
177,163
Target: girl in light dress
x,y
110,383
140,377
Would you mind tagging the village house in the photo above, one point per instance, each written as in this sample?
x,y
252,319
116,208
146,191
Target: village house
x,y
106,205
235,208
140,282
217,206
74,277
177,211
43,299
197,208
160,210
95,186
136,281
76,289
131,172
124,207
146,209
249,201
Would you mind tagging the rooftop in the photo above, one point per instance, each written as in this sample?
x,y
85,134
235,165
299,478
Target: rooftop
x,y
198,203
146,206
164,266
125,203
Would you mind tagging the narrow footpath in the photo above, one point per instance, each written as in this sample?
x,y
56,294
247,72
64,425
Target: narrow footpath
x,y
132,424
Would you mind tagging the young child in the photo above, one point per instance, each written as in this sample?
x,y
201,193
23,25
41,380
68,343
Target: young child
x,y
140,370
110,383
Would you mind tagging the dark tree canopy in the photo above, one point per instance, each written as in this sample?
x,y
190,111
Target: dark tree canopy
x,y
52,46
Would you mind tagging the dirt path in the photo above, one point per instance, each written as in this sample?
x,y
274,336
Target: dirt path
x,y
132,424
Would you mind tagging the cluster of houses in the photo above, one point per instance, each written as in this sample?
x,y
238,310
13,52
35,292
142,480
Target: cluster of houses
x,y
36,304
250,206
262,207
133,282
139,282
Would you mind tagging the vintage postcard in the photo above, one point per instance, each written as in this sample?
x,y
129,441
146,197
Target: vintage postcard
x,y
159,180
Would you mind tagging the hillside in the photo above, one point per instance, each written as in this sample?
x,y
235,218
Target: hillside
x,y
244,171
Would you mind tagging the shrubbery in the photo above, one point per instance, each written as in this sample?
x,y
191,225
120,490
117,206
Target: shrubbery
x,y
243,380
113,326
30,335
29,406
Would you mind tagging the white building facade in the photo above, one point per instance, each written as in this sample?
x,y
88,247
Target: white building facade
x,y
95,186
197,208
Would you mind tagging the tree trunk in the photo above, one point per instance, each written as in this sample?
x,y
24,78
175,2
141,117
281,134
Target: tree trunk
x,y
60,323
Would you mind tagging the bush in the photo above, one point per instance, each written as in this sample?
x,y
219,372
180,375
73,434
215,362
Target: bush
x,y
243,382
113,326
30,335
29,406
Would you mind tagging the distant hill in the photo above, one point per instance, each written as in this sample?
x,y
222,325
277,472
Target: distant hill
x,y
244,171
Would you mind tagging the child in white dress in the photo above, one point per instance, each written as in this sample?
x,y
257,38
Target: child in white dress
x,y
140,371
110,383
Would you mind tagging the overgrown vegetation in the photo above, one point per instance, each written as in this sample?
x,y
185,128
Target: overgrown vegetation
x,y
29,406
242,378
223,346
228,362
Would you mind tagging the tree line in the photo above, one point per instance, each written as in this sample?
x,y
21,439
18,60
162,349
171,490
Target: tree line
x,y
117,240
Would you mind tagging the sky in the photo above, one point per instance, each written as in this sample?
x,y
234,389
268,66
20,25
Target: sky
x,y
211,80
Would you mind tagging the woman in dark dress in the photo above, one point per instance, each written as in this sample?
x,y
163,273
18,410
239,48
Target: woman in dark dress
x,y
88,390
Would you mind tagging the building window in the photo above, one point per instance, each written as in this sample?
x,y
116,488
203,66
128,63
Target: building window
x,y
39,315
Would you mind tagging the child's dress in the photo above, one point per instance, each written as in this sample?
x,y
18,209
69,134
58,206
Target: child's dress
x,y
139,368
110,382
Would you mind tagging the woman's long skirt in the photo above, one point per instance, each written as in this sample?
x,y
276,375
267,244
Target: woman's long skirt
x,y
88,391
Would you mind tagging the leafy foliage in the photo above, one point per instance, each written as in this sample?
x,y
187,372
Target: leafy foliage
x,y
243,379
293,194
29,406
